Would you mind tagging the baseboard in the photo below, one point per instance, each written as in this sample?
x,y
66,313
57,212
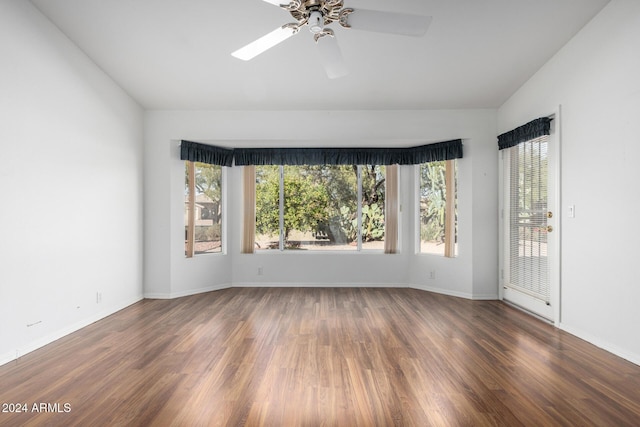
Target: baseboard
x,y
607,346
457,294
48,339
316,285
186,293
485,297
325,285
6,358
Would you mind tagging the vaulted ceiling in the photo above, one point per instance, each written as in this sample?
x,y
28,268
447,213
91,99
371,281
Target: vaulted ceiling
x,y
175,54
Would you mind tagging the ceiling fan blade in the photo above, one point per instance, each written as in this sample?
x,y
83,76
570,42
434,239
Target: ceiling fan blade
x,y
388,22
264,43
331,57
277,2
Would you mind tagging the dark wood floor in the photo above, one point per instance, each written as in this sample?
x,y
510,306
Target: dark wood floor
x,y
312,357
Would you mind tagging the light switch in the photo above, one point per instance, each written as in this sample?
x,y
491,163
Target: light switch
x,y
572,211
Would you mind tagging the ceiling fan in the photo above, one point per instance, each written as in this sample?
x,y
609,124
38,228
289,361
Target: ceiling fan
x,y
318,14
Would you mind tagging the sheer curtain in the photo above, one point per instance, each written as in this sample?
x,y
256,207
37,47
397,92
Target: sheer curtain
x,y
249,210
391,210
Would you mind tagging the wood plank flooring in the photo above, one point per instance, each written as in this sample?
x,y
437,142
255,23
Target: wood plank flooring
x,y
320,357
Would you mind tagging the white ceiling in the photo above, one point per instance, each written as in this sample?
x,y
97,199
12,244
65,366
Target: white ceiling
x,y
175,54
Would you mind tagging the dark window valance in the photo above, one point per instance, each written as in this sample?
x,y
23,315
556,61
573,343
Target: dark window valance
x,y
204,153
349,156
196,152
534,129
448,150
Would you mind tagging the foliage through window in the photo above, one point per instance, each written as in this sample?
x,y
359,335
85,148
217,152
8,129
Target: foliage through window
x,y
438,208
202,208
316,207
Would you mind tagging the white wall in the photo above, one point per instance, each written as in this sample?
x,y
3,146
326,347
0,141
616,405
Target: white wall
x,y
70,186
474,272
169,273
594,79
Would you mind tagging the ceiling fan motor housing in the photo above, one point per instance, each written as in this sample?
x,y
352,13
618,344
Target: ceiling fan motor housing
x,y
329,11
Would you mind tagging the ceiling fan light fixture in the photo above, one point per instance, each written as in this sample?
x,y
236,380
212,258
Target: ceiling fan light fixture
x,y
316,22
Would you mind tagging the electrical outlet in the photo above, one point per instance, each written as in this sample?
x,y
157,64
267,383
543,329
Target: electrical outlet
x,y
260,271
98,297
432,275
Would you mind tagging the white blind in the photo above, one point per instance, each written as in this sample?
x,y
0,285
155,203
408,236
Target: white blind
x,y
527,178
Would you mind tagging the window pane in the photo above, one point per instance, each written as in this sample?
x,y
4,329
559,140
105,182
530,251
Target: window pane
x,y
373,196
320,207
433,205
267,207
207,215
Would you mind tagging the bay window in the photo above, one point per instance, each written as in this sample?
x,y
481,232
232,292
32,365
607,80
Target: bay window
x,y
340,198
